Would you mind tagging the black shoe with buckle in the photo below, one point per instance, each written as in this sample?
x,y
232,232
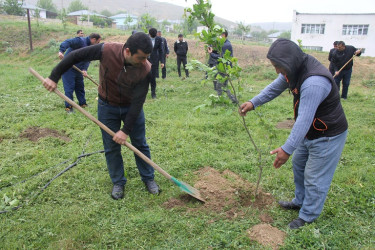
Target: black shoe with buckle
x,y
118,192
152,187
297,223
289,205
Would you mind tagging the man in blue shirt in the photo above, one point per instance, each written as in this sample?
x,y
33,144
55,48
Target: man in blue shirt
x,y
72,79
319,133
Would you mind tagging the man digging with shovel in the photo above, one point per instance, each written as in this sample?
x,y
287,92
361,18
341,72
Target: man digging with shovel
x,y
124,77
319,133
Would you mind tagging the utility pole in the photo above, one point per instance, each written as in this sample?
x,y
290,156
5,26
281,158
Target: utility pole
x,y
30,37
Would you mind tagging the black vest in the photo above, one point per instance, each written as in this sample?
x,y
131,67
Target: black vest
x,y
329,119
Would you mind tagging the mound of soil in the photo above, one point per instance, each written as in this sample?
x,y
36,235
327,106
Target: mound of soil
x,y
287,124
35,133
224,192
267,235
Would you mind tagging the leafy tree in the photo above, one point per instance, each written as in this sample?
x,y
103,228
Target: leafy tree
x,y
37,16
128,20
146,22
47,5
286,34
13,7
227,67
245,29
97,21
76,5
63,17
106,13
260,35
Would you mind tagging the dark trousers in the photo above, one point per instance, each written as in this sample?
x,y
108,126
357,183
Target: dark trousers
x,y
112,117
345,76
154,73
182,59
73,82
164,69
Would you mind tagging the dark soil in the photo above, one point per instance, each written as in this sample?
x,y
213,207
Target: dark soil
x,y
224,192
287,124
35,133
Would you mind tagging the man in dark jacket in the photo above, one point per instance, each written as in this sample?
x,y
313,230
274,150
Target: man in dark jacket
x,y
213,61
342,55
124,76
166,54
72,79
181,48
319,133
157,55
331,69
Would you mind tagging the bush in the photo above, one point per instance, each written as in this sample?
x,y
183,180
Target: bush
x,y
9,50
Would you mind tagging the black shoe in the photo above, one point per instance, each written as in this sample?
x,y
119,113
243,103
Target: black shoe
x,y
152,187
118,192
289,205
297,223
69,110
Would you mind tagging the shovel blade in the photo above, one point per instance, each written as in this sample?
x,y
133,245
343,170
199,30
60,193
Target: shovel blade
x,y
188,189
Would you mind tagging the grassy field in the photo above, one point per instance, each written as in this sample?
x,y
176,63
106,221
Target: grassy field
x,y
76,210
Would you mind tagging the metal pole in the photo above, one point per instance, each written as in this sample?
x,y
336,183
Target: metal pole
x,y
28,20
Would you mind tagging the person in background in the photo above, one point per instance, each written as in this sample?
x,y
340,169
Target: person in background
x,y
80,33
331,69
157,55
319,133
181,48
342,55
166,54
124,75
72,79
213,61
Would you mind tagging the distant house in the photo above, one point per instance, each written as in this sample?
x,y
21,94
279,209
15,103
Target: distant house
x,y
272,37
77,16
120,19
319,31
33,9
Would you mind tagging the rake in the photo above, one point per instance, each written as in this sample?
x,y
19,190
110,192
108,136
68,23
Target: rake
x,y
182,185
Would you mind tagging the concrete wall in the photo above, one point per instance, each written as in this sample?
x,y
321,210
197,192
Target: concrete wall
x,y
333,30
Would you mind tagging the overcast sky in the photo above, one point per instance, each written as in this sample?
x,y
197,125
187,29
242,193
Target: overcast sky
x,y
250,11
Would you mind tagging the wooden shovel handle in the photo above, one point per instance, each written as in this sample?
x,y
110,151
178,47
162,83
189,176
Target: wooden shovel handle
x,y
104,127
89,77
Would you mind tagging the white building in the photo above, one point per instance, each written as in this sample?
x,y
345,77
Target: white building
x,y
34,9
319,31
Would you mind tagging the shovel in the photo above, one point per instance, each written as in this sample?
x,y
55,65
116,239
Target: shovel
x,y
183,186
89,77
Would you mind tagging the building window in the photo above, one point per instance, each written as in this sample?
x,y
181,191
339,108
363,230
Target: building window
x,y
313,28
355,29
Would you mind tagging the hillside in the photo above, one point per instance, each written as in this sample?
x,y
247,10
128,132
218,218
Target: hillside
x,y
157,9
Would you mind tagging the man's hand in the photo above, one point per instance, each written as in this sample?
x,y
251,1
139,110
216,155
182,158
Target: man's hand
x,y
61,55
357,52
336,73
162,65
245,107
281,157
166,55
49,84
84,73
209,49
120,137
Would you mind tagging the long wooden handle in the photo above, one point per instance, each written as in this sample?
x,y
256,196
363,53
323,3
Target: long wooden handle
x,y
338,72
89,77
104,127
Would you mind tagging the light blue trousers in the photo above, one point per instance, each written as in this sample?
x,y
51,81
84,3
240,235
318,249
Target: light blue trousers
x,y
314,163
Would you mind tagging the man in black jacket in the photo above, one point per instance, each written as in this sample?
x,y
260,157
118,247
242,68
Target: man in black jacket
x,y
181,48
166,54
340,57
331,69
157,55
213,61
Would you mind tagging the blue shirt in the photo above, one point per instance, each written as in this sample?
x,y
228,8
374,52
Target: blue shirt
x,y
313,91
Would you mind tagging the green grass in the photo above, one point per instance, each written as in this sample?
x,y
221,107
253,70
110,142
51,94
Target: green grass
x,y
76,210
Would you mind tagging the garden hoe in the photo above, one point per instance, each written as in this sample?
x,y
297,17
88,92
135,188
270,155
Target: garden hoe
x,y
183,186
